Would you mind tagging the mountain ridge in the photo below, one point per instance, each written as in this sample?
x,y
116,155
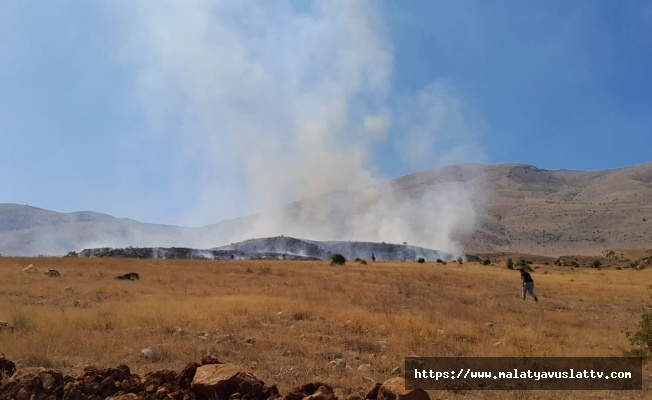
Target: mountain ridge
x,y
518,208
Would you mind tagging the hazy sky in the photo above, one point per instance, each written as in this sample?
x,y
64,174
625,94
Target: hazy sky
x,y
196,111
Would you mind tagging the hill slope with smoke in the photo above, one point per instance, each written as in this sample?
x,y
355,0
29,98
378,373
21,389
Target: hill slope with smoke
x,y
506,207
281,248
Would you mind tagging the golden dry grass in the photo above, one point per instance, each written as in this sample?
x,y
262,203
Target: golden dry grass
x,y
285,321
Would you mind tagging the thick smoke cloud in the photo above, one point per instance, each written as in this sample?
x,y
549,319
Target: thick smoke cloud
x,y
272,102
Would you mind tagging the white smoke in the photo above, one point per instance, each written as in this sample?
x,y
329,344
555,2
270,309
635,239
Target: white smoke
x,y
271,103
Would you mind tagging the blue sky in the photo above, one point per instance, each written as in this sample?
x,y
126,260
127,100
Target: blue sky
x,y
193,112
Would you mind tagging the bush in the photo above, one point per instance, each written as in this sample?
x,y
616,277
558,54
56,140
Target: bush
x,y
641,340
439,261
486,261
363,262
421,260
460,260
338,259
597,264
509,263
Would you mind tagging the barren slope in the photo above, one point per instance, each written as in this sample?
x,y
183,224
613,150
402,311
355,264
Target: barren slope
x,y
520,208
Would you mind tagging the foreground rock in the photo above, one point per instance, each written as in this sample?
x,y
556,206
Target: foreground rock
x,y
209,379
229,381
394,389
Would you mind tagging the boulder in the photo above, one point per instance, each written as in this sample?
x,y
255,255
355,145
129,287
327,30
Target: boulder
x,y
394,389
223,380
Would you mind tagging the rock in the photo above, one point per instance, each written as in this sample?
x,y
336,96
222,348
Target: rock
x,y
128,396
209,359
372,393
307,390
147,353
71,392
26,374
223,380
48,382
7,367
187,375
23,394
364,367
394,389
324,392
53,273
30,268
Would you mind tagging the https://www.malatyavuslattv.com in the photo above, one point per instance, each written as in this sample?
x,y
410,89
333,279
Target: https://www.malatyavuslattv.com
x,y
592,373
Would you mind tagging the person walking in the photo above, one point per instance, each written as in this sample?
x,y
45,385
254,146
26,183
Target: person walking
x,y
528,284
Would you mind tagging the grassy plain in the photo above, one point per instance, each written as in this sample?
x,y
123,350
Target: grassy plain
x,y
288,321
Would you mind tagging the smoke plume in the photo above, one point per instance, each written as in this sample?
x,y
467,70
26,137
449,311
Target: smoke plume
x,y
273,102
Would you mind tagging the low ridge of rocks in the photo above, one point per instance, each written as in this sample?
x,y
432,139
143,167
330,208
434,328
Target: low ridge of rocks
x,y
209,379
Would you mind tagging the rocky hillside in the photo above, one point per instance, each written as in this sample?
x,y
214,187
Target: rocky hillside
x,y
506,208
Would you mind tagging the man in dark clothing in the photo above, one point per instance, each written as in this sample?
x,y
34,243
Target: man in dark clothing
x,y
528,284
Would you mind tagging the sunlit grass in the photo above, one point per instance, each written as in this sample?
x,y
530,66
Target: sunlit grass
x,y
286,321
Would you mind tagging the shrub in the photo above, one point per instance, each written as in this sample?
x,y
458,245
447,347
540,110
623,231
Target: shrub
x,y
439,261
363,261
509,263
486,261
641,340
459,260
338,259
421,260
597,264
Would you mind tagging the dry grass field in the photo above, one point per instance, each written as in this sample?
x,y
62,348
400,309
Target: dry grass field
x,y
287,322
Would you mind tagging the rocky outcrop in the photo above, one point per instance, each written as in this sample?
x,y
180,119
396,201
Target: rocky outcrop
x,y
209,379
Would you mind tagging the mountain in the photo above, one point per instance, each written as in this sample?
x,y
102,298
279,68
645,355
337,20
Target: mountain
x,y
486,208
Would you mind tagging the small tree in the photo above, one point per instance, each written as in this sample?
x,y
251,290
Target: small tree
x,y
373,257
421,260
338,259
510,263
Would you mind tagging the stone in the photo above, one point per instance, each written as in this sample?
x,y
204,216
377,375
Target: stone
x,y
372,393
48,382
223,380
7,367
322,393
394,389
